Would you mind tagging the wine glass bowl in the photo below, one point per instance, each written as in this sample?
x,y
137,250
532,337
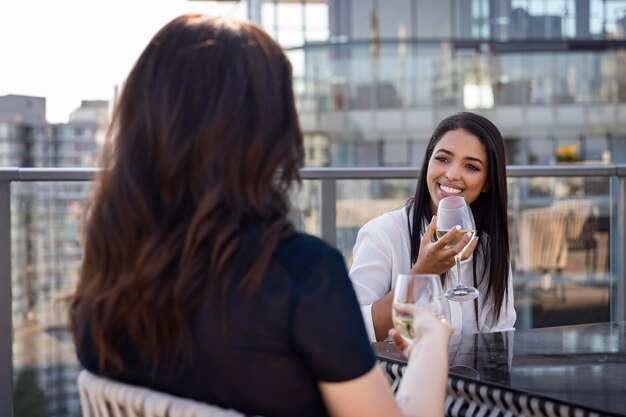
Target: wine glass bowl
x,y
454,212
423,290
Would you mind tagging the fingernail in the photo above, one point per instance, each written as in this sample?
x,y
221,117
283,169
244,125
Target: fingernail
x,y
469,234
476,237
457,227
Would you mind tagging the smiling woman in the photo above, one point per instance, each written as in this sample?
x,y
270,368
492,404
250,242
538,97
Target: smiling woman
x,y
464,157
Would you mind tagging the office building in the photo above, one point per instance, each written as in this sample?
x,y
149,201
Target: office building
x,y
550,74
45,245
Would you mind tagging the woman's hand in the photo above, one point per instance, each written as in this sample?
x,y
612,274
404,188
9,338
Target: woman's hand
x,y
425,324
435,257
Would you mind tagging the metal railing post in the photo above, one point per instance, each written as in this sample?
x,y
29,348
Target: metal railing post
x,y
328,212
620,250
6,322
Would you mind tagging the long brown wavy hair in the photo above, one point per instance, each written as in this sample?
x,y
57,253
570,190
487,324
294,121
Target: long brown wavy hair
x,y
205,141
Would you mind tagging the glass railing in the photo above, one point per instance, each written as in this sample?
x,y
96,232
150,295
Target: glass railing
x,y
567,236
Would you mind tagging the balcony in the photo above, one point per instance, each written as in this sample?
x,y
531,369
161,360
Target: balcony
x,y
573,216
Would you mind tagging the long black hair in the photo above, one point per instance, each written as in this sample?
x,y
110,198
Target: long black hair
x,y
489,209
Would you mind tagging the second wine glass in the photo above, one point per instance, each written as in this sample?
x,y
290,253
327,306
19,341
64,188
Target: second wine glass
x,y
454,211
423,290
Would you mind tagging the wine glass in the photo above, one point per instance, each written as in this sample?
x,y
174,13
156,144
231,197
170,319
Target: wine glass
x,y
423,290
454,211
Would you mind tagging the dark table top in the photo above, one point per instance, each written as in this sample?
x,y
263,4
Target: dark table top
x,y
582,365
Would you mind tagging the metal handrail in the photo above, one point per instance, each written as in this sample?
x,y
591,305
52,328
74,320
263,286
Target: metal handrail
x,y
571,45
12,174
328,178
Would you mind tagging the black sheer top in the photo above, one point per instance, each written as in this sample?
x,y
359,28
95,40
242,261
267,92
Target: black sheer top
x,y
265,354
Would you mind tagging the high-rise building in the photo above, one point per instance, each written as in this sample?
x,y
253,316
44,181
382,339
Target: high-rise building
x,y
45,246
22,109
550,74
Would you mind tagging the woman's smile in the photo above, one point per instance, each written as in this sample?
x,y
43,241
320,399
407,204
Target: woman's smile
x,y
450,189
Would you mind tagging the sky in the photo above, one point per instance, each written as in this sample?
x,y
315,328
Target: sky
x,y
73,50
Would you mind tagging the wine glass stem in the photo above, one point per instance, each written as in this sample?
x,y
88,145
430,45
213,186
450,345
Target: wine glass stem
x,y
457,259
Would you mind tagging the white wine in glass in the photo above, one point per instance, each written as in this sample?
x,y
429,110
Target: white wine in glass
x,y
423,290
460,234
454,211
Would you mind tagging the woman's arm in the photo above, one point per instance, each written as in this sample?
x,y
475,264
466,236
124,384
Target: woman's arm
x,y
428,362
428,358
369,395
381,316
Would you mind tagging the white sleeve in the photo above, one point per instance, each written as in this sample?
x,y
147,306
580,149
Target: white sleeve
x,y
508,315
366,311
370,272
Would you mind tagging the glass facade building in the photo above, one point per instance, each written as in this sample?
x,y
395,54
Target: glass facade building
x,y
550,74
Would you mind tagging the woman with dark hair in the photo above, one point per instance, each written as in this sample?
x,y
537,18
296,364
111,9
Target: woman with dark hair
x,y
194,281
464,157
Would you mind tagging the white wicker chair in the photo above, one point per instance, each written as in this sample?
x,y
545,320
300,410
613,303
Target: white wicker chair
x,y
547,234
101,397
542,243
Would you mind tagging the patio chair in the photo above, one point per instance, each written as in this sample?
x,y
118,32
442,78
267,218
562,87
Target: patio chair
x,y
542,246
102,397
581,227
542,243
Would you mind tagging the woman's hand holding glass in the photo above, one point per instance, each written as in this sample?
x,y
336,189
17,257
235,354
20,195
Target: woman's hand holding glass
x,y
437,256
419,309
